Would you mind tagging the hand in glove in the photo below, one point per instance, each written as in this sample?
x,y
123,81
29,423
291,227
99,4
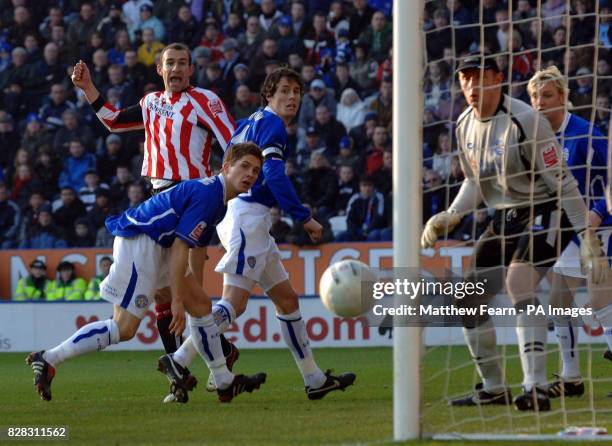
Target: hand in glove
x,y
440,224
592,258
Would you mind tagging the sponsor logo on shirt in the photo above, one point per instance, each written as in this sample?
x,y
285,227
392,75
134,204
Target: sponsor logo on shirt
x,y
109,290
550,157
215,106
161,108
198,231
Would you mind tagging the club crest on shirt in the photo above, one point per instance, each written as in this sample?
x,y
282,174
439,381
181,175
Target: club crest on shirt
x,y
550,156
565,154
141,301
251,261
198,231
215,106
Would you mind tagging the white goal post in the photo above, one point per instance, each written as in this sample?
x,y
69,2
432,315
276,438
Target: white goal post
x,y
407,127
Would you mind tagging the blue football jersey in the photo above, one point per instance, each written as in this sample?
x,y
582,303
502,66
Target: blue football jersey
x,y
267,130
574,137
190,211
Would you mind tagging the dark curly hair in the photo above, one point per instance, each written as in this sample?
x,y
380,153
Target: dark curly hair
x,y
272,80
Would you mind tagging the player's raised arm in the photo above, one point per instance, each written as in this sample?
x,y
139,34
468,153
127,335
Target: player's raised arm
x,y
123,120
81,78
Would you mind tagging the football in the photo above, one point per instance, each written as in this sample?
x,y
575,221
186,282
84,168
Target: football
x,y
340,288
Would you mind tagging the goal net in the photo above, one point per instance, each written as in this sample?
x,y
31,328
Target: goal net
x,y
520,37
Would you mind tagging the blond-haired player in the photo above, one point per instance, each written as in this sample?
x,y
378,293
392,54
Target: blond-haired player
x,y
585,151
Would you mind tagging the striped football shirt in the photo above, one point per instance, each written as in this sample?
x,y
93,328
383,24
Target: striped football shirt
x,y
179,130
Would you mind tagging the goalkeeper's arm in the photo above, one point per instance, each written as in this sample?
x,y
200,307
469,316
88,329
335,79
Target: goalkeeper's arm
x,y
444,222
552,169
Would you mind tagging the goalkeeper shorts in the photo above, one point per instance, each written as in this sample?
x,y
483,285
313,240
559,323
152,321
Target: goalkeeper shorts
x,y
536,235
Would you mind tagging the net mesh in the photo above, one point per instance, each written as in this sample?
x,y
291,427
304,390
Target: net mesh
x,y
522,36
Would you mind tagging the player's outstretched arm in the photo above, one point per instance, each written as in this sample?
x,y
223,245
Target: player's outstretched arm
x,y
114,120
179,259
187,293
282,189
444,222
81,78
314,229
197,259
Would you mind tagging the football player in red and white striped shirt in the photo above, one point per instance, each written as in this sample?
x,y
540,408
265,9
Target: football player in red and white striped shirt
x,y
179,123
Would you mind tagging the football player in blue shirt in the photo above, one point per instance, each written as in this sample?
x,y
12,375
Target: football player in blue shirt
x,y
151,251
585,150
251,253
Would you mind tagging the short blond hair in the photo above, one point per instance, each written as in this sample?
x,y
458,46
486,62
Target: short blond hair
x,y
550,74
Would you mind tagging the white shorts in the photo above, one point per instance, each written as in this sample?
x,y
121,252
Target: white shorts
x,y
251,254
139,270
568,264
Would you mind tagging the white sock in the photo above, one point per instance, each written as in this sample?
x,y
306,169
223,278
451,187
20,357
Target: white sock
x,y
92,337
604,316
224,314
482,343
566,331
531,334
293,330
186,353
205,338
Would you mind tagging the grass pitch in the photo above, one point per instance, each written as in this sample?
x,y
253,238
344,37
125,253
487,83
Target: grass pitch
x,y
115,398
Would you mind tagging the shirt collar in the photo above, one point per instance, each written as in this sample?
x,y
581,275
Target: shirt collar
x,y
173,96
564,123
222,180
269,109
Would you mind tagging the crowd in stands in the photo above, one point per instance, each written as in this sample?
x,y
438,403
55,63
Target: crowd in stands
x,y
62,173
573,35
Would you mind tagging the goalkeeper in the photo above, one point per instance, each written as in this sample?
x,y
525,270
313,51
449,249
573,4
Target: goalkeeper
x,y
511,161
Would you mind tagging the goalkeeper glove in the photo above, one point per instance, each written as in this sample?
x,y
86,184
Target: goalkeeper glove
x,y
592,258
440,224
